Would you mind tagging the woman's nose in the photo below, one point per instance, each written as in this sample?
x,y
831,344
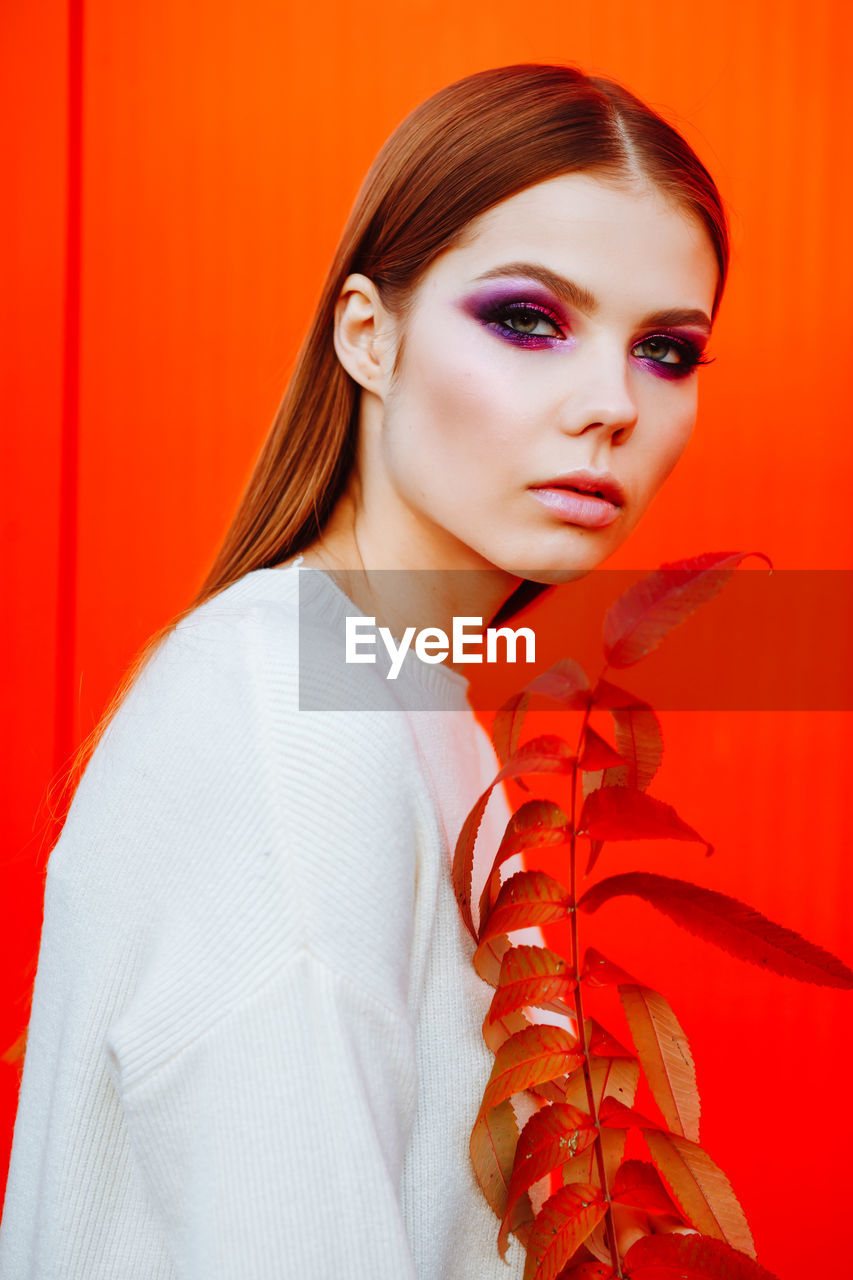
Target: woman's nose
x,y
599,390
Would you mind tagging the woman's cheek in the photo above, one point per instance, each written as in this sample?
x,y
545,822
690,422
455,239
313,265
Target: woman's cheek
x,y
664,430
677,440
466,413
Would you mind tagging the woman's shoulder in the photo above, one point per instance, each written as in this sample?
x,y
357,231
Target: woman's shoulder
x,y
219,710
216,815
260,656
290,627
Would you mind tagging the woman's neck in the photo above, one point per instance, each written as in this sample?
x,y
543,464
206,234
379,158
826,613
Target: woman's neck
x,y
408,581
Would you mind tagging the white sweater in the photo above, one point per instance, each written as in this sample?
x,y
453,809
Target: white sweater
x,y
255,1049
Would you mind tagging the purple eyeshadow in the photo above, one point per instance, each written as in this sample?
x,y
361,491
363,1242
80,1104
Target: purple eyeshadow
x,y
492,306
691,356
672,372
501,293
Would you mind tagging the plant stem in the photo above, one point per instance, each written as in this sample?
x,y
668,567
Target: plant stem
x,y
587,1075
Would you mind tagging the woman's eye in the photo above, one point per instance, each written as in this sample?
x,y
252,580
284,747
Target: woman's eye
x,y
529,322
657,349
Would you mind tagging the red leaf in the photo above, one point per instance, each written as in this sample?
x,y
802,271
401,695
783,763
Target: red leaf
x,y
605,696
637,622
595,847
639,740
528,898
613,1114
660,1042
589,1271
701,1189
602,1044
520,1220
598,971
584,1167
677,1257
506,725
492,1148
463,859
552,1136
598,1241
727,923
547,754
532,976
664,1056
495,1033
562,1225
488,957
638,1183
597,752
625,813
565,682
614,1078
537,824
538,1053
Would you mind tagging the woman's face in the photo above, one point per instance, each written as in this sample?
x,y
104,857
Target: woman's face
x,y
562,334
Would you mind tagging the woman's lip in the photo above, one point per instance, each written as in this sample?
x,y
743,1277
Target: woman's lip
x,y
577,508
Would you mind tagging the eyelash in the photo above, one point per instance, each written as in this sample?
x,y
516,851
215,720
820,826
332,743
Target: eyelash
x,y
690,353
503,309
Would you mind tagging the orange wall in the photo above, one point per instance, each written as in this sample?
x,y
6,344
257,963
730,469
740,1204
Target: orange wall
x,y
34,332
192,178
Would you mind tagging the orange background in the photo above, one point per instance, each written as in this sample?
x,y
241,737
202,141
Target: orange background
x,y
178,179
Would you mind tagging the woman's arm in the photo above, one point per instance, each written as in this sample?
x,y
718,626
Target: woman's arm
x,y
272,1144
271,1136
221,1067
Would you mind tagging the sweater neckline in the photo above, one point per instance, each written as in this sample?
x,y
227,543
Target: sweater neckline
x,y
445,686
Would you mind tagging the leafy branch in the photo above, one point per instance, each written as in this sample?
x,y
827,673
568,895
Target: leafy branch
x,y
578,1081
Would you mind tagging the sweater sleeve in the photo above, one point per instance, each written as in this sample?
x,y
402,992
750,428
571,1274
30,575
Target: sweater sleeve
x,y
265,1060
272,1145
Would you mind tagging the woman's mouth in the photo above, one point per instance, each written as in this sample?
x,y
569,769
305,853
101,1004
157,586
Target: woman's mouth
x,y
576,506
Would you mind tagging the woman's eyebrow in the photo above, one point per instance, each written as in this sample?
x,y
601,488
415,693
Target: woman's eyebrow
x,y
580,298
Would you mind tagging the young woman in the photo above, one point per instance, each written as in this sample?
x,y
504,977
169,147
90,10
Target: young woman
x,y
255,1047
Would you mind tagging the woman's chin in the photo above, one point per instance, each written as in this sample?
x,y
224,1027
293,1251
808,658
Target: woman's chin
x,y
554,570
555,577
553,565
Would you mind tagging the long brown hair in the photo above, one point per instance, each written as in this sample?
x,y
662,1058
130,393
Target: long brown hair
x,y
468,147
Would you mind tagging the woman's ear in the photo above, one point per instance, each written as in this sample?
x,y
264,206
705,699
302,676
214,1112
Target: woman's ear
x,y
364,334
